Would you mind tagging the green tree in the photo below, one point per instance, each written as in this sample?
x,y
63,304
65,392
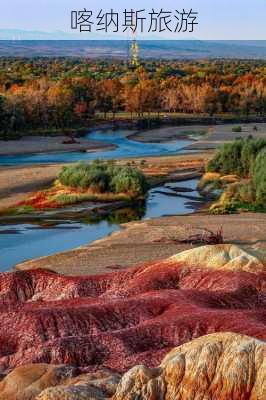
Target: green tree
x,y
259,178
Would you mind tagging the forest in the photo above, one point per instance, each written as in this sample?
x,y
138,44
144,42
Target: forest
x,y
60,93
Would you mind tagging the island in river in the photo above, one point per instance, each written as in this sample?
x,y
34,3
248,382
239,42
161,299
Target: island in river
x,y
95,313
164,155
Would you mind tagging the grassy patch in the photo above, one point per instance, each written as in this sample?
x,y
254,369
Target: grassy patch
x,y
64,199
237,129
19,210
97,182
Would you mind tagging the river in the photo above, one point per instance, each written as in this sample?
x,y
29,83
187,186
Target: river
x,y
125,148
31,239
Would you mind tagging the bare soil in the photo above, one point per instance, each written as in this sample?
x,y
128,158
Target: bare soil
x,y
151,240
215,135
148,240
17,183
49,144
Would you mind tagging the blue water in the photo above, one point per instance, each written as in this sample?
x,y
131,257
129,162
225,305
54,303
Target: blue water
x,y
126,148
25,241
32,241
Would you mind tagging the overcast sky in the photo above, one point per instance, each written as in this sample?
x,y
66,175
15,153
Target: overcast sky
x,y
218,19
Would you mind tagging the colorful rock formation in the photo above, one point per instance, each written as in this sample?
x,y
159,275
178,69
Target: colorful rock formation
x,y
224,366
97,386
27,381
134,316
51,382
220,366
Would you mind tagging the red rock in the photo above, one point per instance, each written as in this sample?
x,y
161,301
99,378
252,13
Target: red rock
x,y
124,318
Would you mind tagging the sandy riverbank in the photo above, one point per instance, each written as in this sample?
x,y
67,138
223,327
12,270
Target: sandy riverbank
x,y
148,240
214,135
16,183
49,144
153,239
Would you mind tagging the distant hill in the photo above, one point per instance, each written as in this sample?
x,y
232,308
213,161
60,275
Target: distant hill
x,y
19,34
166,49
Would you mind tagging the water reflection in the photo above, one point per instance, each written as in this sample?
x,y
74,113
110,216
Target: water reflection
x,y
41,237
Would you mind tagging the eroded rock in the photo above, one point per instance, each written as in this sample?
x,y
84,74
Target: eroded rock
x,y
221,366
27,381
132,316
98,386
227,257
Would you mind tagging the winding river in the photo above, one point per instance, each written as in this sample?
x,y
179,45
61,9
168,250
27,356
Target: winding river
x,y
31,239
125,148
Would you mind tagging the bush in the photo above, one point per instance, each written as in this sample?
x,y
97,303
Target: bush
x,y
237,157
84,176
251,148
259,178
246,193
227,160
247,158
104,177
238,192
129,180
222,209
207,179
237,129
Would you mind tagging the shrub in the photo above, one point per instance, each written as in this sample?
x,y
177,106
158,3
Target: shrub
x,y
259,178
211,185
250,150
227,160
237,157
84,176
237,129
103,177
222,209
231,193
67,199
129,180
247,158
207,179
246,193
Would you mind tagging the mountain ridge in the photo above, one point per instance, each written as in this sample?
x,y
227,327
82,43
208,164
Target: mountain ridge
x,y
66,46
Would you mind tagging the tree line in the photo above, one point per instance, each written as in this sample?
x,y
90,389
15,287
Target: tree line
x,y
62,93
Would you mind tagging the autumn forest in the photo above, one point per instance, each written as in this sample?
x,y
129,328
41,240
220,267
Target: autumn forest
x,y
61,93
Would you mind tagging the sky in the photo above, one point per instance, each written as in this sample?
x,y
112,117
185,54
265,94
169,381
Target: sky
x,y
217,19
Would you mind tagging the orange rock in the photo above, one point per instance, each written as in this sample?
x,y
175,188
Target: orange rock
x,y
26,382
222,366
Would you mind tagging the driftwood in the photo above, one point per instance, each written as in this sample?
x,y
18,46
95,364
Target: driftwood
x,y
205,237
180,189
184,196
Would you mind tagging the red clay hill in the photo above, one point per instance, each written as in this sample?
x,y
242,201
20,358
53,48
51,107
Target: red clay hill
x,y
131,317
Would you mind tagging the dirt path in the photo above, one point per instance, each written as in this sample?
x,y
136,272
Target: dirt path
x,y
152,240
